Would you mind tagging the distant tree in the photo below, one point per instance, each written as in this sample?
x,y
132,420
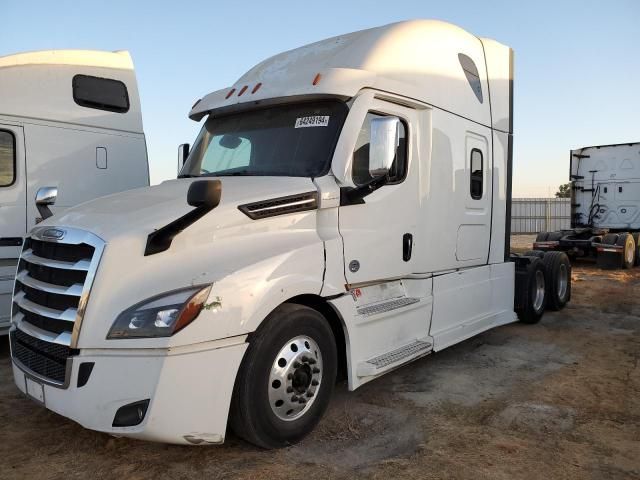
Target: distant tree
x,y
564,191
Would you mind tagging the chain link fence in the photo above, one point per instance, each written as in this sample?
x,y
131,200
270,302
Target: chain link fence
x,y
532,215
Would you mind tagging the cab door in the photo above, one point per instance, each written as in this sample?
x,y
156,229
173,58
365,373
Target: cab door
x,y
12,211
379,233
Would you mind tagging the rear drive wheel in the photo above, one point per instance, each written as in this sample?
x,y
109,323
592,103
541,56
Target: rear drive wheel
x,y
534,301
286,379
554,236
534,253
636,238
557,279
542,236
626,241
610,260
610,238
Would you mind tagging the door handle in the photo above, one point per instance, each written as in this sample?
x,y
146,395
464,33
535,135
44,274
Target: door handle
x,y
407,246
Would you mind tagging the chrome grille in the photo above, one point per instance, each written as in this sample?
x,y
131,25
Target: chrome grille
x,y
51,290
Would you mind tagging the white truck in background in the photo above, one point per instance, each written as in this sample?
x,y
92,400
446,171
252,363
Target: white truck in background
x,y
605,207
343,211
70,131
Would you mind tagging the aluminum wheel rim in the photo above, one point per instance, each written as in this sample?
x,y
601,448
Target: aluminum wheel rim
x,y
295,378
539,293
563,280
629,254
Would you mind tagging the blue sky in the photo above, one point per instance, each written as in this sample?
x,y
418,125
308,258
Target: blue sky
x,y
577,68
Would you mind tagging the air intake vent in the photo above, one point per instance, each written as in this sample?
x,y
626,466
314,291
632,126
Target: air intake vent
x,y
281,205
45,359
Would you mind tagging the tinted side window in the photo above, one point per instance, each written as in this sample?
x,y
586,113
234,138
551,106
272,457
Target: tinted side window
x,y
476,174
471,72
7,158
360,169
100,93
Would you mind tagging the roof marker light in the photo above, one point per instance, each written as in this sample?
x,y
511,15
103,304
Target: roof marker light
x,y
230,93
255,89
317,78
242,90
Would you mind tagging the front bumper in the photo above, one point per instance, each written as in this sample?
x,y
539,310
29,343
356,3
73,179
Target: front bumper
x,y
189,390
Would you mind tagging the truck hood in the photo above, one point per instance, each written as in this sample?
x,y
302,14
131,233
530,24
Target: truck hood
x,y
143,210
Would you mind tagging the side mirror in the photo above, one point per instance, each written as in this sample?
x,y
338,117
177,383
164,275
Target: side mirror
x,y
205,194
183,153
46,196
384,141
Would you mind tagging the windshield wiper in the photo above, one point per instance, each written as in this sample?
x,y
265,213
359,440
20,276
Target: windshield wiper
x,y
239,173
186,175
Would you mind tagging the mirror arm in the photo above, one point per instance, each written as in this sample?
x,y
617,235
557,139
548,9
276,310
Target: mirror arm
x,y
46,196
204,195
355,196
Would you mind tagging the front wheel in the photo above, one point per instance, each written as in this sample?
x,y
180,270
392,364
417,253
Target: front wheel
x,y
286,379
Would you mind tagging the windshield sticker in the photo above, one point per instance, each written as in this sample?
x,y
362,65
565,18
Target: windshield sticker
x,y
316,121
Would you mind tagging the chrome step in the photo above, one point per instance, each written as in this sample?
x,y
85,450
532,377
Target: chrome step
x,y
387,361
386,306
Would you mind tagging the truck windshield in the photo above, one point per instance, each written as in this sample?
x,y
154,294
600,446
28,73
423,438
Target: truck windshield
x,y
295,140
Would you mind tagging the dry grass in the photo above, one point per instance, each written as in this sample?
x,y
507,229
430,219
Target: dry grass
x,y
554,400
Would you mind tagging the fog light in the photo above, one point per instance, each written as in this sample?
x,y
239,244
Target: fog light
x,y
131,415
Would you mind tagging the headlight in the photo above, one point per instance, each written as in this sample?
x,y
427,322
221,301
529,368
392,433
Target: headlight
x,y
160,316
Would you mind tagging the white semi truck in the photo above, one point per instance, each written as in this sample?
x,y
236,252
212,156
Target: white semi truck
x,y
343,211
70,131
605,207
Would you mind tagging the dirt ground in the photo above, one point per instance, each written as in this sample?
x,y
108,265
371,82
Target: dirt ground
x,y
556,400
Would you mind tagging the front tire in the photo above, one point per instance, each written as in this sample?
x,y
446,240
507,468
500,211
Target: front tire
x,y
286,379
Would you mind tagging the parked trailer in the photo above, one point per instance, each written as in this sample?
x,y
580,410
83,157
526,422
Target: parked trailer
x,y
344,210
70,131
605,207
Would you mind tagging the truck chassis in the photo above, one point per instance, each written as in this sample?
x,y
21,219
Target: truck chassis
x,y
605,207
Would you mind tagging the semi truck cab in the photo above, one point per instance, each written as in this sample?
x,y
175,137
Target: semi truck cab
x,y
70,131
605,207
343,211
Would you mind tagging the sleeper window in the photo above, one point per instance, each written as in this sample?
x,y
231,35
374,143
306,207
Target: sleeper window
x,y
7,158
476,174
100,93
360,169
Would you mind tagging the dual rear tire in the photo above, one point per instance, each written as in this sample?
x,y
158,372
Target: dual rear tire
x,y
627,257
547,284
532,298
557,279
